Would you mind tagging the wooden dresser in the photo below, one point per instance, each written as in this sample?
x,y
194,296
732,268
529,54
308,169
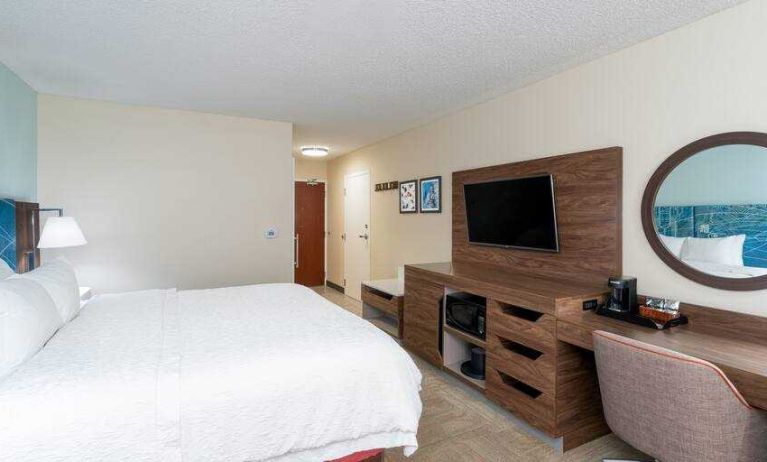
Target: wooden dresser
x,y
550,384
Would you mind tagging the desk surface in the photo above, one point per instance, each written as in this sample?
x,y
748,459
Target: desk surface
x,y
504,278
742,358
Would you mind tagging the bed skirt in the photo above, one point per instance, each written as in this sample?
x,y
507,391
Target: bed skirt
x,y
372,455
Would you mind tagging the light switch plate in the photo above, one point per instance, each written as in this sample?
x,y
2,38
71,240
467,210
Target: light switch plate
x,y
270,233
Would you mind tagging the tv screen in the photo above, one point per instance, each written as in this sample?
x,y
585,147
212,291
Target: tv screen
x,y
513,213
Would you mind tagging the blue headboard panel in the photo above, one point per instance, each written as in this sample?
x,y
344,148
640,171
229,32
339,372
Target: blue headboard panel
x,y
719,221
676,221
8,232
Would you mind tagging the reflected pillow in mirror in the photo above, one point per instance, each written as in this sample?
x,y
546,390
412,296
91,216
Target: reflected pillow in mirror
x,y
673,244
723,250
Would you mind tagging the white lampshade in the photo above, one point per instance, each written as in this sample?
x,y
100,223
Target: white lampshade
x,y
61,232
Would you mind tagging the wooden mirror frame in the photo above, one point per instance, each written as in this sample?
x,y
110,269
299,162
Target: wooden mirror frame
x,y
648,203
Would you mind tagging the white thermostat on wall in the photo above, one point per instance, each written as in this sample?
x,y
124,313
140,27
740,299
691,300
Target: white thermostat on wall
x,y
270,233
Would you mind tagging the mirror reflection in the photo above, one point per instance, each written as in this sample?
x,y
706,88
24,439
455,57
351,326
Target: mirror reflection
x,y
711,211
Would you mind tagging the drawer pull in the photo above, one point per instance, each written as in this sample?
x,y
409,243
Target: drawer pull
x,y
522,313
518,348
519,386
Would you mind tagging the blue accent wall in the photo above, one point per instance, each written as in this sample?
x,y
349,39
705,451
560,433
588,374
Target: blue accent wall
x,y
18,137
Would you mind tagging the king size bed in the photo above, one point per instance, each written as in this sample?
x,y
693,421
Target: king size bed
x,y
268,372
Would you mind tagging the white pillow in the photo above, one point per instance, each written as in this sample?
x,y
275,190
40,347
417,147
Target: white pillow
x,y
5,270
59,280
723,250
28,318
673,244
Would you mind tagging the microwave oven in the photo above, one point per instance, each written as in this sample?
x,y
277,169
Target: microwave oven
x,y
466,312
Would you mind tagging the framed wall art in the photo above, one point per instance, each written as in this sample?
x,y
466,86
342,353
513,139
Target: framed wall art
x,y
430,194
408,196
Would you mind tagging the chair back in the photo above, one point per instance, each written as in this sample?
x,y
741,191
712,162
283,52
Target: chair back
x,y
675,407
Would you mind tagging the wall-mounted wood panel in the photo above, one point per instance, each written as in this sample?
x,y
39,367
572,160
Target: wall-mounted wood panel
x,y
27,235
588,195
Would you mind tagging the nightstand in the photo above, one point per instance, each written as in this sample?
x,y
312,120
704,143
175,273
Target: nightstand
x,y
382,304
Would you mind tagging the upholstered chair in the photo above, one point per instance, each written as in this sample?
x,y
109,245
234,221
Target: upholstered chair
x,y
674,407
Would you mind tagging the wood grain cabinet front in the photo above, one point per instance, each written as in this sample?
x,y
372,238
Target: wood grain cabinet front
x,y
423,302
521,362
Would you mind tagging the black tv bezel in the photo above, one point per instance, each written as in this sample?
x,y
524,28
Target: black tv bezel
x,y
556,249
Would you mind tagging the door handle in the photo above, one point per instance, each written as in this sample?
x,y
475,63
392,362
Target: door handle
x,y
296,246
365,236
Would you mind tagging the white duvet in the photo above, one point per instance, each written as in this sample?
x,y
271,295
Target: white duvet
x,y
269,372
726,271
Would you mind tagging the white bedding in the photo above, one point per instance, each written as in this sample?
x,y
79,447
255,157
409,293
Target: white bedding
x,y
270,372
726,271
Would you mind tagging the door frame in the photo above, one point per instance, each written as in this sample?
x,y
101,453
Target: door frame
x,y
370,224
324,225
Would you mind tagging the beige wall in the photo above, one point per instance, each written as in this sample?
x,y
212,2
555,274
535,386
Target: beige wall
x,y
652,98
168,198
311,169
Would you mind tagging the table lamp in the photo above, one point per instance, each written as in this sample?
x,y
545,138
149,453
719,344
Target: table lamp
x,y
61,232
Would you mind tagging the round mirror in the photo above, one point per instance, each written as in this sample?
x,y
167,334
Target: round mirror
x,y
704,211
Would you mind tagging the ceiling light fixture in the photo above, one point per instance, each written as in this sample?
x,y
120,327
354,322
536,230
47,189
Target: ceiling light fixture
x,y
314,151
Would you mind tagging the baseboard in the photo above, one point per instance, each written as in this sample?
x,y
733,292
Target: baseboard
x,y
335,286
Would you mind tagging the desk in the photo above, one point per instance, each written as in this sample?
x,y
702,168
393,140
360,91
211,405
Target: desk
x,y
740,353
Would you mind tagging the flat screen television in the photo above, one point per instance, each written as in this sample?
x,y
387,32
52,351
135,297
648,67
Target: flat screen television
x,y
518,213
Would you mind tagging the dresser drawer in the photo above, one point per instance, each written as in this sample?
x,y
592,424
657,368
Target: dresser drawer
x,y
529,403
384,302
506,352
529,327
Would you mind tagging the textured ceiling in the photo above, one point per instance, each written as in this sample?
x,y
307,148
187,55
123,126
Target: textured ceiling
x,y
346,72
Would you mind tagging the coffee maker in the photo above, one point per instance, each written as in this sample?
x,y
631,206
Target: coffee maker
x,y
623,297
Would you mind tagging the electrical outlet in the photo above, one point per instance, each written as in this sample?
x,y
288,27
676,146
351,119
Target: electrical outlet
x,y
590,304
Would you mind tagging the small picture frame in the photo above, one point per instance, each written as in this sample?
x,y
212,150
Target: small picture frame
x,y
430,194
408,196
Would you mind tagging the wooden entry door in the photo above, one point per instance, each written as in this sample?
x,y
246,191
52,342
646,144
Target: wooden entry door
x,y
310,234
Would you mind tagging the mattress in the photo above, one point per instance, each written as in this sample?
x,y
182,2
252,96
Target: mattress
x,y
256,373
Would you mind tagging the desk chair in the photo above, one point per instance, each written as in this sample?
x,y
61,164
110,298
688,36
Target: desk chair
x,y
674,407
